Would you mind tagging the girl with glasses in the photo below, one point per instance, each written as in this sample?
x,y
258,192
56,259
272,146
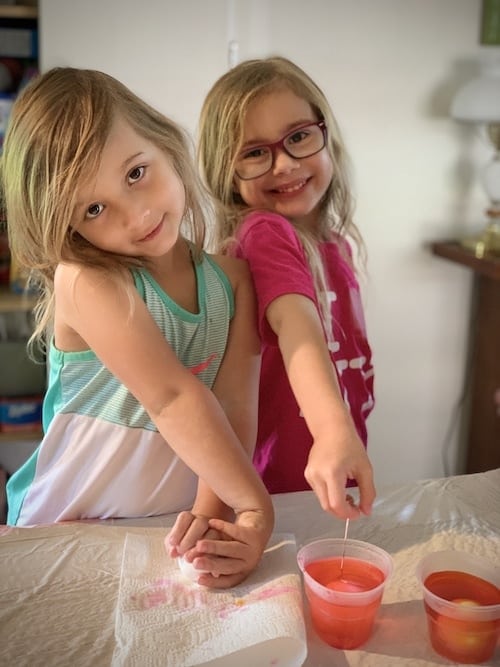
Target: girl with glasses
x,y
153,353
271,154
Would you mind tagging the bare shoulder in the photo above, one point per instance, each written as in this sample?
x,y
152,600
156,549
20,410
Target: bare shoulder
x,y
65,272
67,275
71,276
85,290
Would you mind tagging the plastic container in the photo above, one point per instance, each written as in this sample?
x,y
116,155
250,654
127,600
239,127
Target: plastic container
x,y
343,606
461,594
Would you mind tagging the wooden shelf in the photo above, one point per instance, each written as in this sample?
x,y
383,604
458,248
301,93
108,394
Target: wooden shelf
x,y
488,265
19,436
10,302
18,12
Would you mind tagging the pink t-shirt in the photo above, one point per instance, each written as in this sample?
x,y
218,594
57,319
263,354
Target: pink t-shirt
x,y
278,264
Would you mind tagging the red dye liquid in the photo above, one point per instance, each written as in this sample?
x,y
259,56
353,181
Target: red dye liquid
x,y
339,625
467,641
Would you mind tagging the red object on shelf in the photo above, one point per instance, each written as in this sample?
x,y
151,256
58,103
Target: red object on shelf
x,y
4,253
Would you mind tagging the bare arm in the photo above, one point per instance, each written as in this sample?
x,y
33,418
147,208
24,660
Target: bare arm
x,y
236,387
337,453
237,382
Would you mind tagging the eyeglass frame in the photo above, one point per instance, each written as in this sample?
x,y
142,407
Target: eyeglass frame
x,y
281,144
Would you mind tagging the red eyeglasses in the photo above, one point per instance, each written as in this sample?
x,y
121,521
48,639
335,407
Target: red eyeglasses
x,y
299,143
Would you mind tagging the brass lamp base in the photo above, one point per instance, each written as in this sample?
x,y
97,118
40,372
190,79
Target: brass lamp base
x,y
488,242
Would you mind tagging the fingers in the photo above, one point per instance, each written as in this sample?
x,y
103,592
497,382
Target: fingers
x,y
330,487
332,497
223,571
367,493
177,532
229,559
185,533
227,529
220,565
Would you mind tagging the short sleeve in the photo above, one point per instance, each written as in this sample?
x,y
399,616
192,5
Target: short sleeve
x,y
277,261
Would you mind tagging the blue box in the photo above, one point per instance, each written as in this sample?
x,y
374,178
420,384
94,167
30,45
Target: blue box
x,y
21,414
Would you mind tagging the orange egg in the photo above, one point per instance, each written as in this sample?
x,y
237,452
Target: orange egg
x,y
464,636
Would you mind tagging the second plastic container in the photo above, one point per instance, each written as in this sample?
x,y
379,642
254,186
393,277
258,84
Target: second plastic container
x,y
462,603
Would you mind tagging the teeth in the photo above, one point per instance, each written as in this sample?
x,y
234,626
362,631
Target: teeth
x,y
292,188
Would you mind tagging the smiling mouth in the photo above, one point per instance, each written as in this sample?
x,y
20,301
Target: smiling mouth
x,y
153,233
286,189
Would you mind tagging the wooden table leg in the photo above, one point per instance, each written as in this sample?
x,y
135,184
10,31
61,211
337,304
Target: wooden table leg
x,y
484,420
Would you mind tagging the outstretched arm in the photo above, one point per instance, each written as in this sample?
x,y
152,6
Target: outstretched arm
x,y
337,453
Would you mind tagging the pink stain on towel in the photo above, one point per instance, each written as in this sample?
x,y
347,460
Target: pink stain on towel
x,y
186,596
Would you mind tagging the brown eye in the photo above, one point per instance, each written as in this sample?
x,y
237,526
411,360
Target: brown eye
x,y
136,174
94,210
297,137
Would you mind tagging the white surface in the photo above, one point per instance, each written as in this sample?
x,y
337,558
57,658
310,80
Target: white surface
x,y
59,585
390,69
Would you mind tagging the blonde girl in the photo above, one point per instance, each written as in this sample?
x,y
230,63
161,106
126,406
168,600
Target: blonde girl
x,y
151,343
271,154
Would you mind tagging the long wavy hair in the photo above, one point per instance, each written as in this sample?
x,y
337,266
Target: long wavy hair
x,y
56,133
220,138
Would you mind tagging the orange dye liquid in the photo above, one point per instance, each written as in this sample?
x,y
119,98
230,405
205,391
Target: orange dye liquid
x,y
465,641
342,626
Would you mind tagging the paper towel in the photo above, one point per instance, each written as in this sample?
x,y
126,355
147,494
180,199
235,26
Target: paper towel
x,y
177,623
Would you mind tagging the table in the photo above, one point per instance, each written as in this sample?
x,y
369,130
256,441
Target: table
x,y
483,450
461,512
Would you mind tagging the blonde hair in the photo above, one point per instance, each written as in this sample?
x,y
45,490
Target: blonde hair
x,y
221,129
54,141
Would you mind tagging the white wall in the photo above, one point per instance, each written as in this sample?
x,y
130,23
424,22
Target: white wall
x,y
389,69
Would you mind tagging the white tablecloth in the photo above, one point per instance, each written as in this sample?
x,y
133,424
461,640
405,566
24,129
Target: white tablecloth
x,y
75,625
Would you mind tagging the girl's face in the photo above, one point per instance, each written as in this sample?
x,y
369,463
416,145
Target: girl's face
x,y
292,187
135,204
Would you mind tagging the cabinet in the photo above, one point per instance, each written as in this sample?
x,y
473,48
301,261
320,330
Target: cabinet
x,y
483,437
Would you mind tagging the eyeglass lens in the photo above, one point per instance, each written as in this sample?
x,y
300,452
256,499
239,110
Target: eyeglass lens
x,y
301,143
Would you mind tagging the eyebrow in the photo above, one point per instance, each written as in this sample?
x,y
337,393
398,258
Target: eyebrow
x,y
131,159
80,204
289,128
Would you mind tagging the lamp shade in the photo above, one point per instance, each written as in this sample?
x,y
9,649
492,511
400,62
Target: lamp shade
x,y
479,100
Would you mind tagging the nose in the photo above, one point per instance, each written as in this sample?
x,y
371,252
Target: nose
x,y
135,213
283,162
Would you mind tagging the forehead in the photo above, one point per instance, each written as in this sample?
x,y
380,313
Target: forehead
x,y
272,114
122,138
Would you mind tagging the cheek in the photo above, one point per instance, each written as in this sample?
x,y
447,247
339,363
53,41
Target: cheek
x,y
326,166
247,193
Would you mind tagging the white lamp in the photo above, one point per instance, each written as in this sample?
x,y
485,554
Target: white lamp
x,y
478,102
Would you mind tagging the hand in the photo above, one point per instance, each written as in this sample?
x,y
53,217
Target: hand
x,y
185,533
228,561
331,465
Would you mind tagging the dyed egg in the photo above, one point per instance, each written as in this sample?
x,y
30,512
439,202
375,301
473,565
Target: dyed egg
x,y
188,569
461,636
345,586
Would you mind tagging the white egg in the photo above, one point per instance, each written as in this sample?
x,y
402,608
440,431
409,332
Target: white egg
x,y
188,569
